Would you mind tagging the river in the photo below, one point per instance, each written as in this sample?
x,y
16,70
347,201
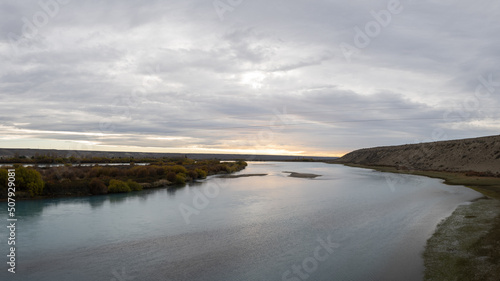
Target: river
x,y
348,224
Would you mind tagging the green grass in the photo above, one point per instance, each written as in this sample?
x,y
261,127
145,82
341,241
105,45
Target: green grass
x,y
466,245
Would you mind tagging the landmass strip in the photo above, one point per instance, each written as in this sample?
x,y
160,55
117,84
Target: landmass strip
x,y
466,245
301,175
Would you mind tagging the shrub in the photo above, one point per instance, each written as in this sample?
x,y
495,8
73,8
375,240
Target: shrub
x,y
118,186
180,178
29,180
95,172
159,171
114,172
178,169
134,185
68,174
97,187
142,172
3,182
193,174
228,168
171,176
201,173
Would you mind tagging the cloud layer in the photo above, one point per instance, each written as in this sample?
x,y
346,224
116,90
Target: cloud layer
x,y
287,77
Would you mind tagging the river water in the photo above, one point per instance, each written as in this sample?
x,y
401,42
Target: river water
x,y
348,224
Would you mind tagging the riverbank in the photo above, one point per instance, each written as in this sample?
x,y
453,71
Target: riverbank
x,y
71,181
301,175
489,186
466,245
241,176
477,156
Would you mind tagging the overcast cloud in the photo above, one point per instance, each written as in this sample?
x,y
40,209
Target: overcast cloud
x,y
287,77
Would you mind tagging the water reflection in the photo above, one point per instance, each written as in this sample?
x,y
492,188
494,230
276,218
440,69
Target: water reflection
x,y
34,208
97,201
30,209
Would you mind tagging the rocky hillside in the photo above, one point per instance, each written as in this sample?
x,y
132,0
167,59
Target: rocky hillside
x,y
481,155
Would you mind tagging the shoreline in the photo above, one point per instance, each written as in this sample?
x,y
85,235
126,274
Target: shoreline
x,y
301,175
77,181
240,176
488,186
80,195
464,244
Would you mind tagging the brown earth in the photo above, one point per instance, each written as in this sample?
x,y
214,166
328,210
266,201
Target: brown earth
x,y
480,156
301,175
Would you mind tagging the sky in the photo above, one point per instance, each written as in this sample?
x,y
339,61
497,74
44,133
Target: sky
x,y
290,77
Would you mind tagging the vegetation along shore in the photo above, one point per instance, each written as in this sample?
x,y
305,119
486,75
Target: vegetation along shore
x,y
75,179
466,245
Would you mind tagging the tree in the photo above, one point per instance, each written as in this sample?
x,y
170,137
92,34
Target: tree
x,y
29,180
201,173
142,172
177,169
3,182
97,187
118,186
171,176
180,178
134,185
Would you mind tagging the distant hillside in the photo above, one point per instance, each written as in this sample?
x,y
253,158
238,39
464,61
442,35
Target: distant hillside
x,y
477,154
11,152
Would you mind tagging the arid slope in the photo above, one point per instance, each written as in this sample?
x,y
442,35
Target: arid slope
x,y
480,155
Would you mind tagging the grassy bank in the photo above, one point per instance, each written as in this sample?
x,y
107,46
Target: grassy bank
x,y
466,245
489,186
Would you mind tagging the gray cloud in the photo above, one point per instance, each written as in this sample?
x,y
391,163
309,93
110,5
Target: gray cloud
x,y
172,76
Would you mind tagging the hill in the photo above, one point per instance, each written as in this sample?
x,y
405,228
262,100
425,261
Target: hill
x,y
480,155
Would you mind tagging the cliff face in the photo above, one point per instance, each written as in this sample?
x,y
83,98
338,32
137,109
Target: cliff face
x,y
478,154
